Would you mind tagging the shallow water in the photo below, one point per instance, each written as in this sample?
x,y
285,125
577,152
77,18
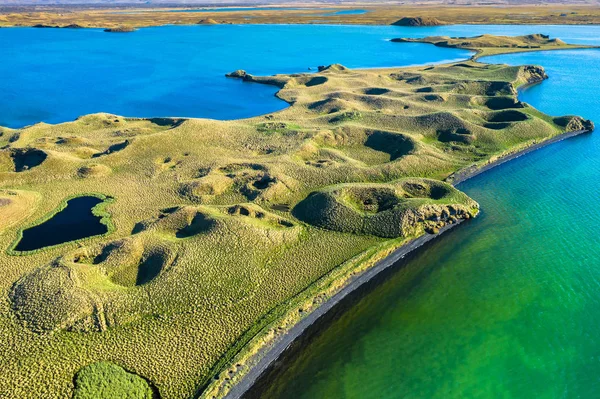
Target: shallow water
x,y
506,305
74,222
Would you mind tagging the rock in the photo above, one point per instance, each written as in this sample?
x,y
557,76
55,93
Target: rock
x,y
418,21
533,73
576,124
120,29
240,73
207,21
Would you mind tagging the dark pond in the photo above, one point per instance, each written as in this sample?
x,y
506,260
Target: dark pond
x,y
74,222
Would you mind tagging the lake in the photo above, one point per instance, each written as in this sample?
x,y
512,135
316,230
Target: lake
x,y
74,222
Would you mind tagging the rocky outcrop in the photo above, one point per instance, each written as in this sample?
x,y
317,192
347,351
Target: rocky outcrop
x,y
574,123
207,21
418,21
240,73
532,74
120,29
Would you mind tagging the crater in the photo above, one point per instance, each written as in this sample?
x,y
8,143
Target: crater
x,y
113,148
371,199
394,144
501,103
458,135
507,116
376,91
200,223
422,190
27,158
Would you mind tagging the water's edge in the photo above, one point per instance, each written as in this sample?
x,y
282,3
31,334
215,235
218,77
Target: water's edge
x,y
270,354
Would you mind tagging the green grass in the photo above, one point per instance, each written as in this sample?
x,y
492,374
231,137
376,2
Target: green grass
x,y
207,255
104,380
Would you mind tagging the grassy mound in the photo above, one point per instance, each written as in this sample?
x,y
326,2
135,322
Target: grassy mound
x,y
385,210
105,380
210,185
51,298
15,206
93,170
418,21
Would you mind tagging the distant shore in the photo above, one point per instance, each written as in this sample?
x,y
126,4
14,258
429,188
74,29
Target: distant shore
x,y
269,354
94,16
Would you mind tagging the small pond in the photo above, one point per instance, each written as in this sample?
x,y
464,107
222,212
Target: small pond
x,y
74,222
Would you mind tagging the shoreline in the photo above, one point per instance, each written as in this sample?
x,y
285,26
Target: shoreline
x,y
475,170
273,352
270,354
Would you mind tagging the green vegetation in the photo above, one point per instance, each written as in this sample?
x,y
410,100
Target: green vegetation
x,y
104,380
225,233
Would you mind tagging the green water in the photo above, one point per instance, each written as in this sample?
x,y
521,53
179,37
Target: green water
x,y
504,306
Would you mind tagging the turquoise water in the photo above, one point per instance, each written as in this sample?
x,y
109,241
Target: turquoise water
x,y
348,12
242,9
56,75
504,306
220,9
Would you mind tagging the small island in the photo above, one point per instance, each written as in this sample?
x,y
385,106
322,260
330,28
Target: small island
x,y
418,21
120,29
485,45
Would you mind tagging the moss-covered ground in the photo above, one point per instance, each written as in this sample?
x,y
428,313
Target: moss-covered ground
x,y
214,240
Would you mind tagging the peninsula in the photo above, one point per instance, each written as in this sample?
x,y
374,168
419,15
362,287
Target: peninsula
x,y
220,236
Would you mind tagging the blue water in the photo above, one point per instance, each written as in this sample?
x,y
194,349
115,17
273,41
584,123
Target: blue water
x,y
220,9
348,12
56,75
506,305
245,9
74,222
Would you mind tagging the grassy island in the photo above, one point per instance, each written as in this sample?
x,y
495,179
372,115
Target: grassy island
x,y
224,234
485,45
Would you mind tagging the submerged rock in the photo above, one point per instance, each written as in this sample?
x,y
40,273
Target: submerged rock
x,y
120,29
